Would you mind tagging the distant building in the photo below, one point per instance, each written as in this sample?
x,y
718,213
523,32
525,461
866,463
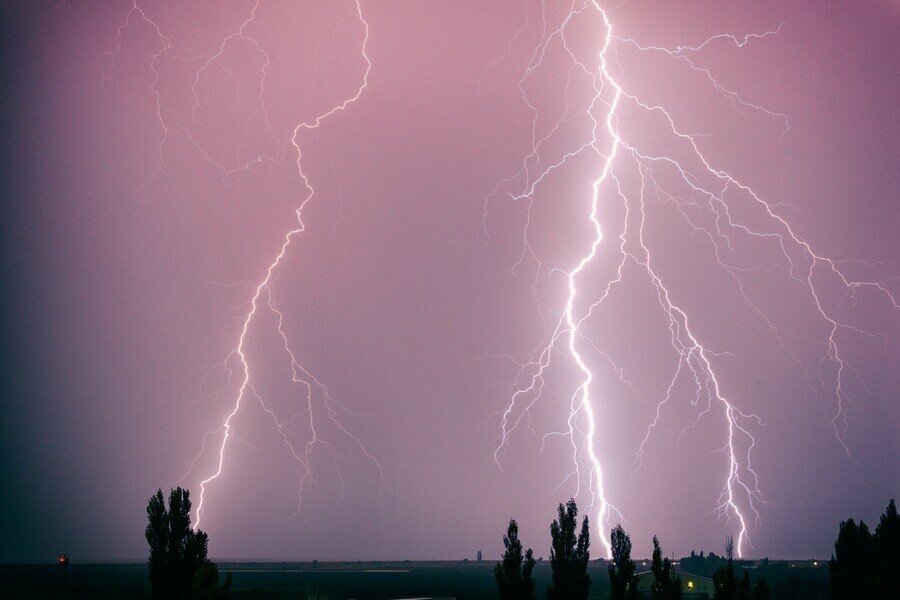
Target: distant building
x,y
478,556
693,587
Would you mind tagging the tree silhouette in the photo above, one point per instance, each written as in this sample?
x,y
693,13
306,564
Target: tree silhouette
x,y
743,592
569,556
179,567
760,591
725,582
849,564
865,565
157,534
666,583
514,573
622,578
206,583
886,554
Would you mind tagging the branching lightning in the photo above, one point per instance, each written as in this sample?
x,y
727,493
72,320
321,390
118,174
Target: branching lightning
x,y
316,403
713,190
709,209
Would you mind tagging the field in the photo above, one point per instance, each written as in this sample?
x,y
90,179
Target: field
x,y
344,581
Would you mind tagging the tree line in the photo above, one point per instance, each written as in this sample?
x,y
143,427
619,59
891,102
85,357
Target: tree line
x,y
569,557
864,565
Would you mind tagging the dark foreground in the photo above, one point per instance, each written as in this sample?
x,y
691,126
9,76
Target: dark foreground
x,y
344,581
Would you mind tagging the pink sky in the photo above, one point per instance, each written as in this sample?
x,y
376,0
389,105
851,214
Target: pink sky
x,y
144,209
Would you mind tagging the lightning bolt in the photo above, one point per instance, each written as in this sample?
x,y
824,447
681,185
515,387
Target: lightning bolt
x,y
300,374
713,192
316,404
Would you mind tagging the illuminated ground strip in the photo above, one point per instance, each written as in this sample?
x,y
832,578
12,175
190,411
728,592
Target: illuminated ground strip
x,y
262,298
741,494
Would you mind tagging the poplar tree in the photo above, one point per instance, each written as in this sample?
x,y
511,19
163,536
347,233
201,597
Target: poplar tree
x,y
178,563
666,583
849,565
622,578
725,581
865,564
514,573
886,550
569,555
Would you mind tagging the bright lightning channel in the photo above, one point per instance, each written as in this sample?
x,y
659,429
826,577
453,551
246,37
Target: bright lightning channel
x,y
740,493
264,287
263,293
